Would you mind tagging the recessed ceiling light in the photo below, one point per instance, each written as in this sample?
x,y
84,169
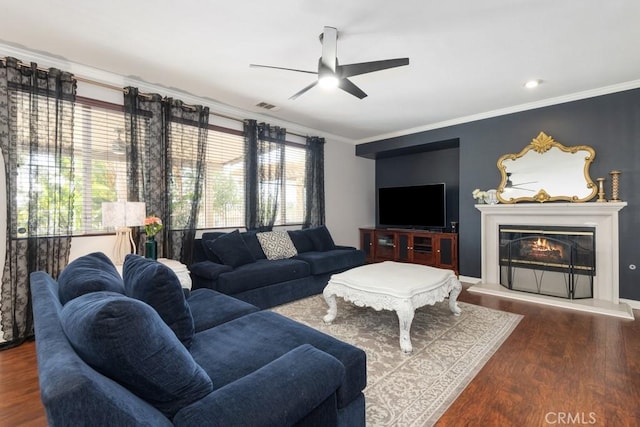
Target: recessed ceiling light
x,y
532,83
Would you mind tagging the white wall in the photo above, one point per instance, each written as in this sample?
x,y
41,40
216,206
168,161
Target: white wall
x,y
349,186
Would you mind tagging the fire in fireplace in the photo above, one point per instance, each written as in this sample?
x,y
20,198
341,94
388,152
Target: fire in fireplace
x,y
556,261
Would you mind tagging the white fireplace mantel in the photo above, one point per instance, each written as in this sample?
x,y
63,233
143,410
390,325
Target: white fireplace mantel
x,y
601,215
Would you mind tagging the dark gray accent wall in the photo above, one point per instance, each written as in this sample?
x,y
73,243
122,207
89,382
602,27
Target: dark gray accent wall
x,y
608,123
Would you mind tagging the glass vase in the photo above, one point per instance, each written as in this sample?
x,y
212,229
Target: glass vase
x,y
151,248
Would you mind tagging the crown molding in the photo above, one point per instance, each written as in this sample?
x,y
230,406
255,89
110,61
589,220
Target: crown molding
x,y
606,90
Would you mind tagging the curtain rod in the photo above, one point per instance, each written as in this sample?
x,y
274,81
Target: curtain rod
x,y
118,88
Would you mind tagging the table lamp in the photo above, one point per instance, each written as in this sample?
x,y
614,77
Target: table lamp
x,y
123,215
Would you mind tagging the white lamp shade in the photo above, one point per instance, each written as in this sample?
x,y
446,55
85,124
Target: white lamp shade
x,y
123,214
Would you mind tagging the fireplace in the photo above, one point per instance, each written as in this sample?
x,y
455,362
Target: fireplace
x,y
549,260
603,217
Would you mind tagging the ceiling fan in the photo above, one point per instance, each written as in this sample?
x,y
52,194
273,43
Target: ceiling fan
x,y
331,74
510,185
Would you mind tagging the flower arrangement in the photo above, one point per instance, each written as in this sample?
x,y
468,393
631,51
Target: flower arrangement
x,y
488,196
152,225
480,196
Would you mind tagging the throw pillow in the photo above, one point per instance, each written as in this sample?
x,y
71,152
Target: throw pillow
x,y
231,249
157,285
321,238
89,273
126,340
251,240
277,245
301,241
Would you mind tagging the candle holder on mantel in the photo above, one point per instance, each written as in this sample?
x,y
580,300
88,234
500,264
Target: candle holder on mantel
x,y
615,185
601,190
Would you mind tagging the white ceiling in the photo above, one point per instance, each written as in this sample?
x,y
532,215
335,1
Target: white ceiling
x,y
469,58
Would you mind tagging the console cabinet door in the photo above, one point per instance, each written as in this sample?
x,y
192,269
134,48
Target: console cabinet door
x,y
367,237
424,249
404,247
385,245
447,252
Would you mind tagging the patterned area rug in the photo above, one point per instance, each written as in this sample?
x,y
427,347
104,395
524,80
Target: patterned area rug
x,y
414,389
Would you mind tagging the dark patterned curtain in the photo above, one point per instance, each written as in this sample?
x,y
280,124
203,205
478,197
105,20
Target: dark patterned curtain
x,y
314,182
186,135
146,178
36,139
166,141
264,171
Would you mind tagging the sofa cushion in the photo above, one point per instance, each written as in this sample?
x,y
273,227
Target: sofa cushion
x,y
203,249
332,261
277,245
321,238
301,240
262,273
209,270
89,273
251,239
245,344
210,308
126,340
157,285
231,249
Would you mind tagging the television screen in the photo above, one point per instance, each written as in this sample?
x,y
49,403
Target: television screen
x,y
417,206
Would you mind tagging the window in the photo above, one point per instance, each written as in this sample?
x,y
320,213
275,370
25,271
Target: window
x,y
222,203
99,161
292,201
100,172
223,196
99,168
44,175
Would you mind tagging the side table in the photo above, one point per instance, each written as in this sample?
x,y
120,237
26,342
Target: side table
x,y
180,269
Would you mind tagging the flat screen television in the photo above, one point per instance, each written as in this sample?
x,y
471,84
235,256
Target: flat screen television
x,y
416,206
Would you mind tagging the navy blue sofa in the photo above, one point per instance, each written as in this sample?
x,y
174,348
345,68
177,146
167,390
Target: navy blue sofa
x,y
236,264
134,351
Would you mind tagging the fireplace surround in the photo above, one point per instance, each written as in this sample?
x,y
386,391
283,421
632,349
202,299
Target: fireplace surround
x,y
601,216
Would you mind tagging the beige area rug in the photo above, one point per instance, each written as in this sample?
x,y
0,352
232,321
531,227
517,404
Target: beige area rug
x,y
414,389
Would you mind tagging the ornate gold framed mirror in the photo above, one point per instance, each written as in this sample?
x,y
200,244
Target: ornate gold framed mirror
x,y
546,171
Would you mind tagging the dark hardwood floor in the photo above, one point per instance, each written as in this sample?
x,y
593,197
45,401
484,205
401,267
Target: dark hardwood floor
x,y
558,368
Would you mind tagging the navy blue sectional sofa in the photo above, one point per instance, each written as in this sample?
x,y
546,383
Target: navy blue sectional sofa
x,y
135,351
236,264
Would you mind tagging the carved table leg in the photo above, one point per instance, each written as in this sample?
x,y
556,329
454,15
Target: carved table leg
x,y
330,298
405,317
453,295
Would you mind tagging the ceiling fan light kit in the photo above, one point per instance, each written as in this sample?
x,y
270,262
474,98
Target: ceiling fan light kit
x,y
331,75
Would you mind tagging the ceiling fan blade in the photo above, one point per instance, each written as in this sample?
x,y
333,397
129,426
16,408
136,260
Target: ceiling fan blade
x,y
349,70
347,86
329,48
525,183
522,188
282,68
297,94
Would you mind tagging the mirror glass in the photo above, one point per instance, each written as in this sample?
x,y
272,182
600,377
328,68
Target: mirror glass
x,y
546,170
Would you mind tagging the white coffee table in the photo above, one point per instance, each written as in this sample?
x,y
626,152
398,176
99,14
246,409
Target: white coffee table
x,y
396,286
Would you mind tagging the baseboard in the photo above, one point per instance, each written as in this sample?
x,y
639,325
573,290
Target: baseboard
x,y
632,303
472,280
589,305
